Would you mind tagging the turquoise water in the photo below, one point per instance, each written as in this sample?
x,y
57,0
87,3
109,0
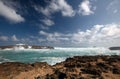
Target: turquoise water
x,y
51,56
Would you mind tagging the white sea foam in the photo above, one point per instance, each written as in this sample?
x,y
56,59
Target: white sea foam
x,y
52,56
7,49
2,59
22,49
18,48
80,49
53,60
90,51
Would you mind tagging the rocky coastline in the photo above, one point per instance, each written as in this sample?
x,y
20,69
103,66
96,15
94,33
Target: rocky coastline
x,y
78,67
26,47
114,48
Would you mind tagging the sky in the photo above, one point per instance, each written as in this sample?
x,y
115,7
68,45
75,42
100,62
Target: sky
x,y
60,23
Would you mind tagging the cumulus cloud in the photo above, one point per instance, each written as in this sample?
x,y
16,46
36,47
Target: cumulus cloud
x,y
10,14
49,36
85,8
56,6
65,8
53,7
3,38
98,35
54,37
14,38
48,22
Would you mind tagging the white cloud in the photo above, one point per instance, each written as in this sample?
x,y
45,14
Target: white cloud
x,y
44,27
41,40
98,35
114,7
65,8
27,40
14,38
115,11
56,6
111,30
48,22
50,36
10,13
54,37
53,7
3,38
85,8
43,33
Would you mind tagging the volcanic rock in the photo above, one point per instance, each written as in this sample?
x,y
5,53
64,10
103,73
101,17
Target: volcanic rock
x,y
78,67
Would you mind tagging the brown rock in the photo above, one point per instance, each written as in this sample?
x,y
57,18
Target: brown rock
x,y
116,71
78,67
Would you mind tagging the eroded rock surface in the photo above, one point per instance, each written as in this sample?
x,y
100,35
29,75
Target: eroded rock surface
x,y
78,67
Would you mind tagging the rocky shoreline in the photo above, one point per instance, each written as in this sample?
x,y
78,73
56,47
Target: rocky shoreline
x,y
114,48
78,67
26,47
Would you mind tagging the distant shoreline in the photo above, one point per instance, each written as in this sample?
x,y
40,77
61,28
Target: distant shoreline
x,y
23,46
114,48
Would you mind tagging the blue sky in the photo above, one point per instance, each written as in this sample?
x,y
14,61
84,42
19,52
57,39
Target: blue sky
x,y
78,23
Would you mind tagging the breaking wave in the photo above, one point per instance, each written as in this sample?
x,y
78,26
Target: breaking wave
x,y
51,56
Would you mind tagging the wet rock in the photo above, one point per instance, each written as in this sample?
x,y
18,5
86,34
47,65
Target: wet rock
x,y
56,75
60,74
104,67
91,71
116,70
70,65
40,64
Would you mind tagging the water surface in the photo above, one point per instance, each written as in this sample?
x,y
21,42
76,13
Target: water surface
x,y
51,56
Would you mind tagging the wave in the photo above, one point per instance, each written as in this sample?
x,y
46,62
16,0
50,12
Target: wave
x,y
2,59
81,48
51,56
53,60
24,49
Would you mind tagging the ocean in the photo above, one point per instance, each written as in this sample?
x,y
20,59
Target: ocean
x,y
51,56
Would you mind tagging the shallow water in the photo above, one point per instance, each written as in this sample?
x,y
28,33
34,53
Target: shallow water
x,y
51,56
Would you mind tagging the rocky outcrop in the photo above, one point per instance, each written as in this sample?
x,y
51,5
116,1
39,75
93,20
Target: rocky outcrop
x,y
42,47
78,67
25,47
91,67
114,48
4,47
16,70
